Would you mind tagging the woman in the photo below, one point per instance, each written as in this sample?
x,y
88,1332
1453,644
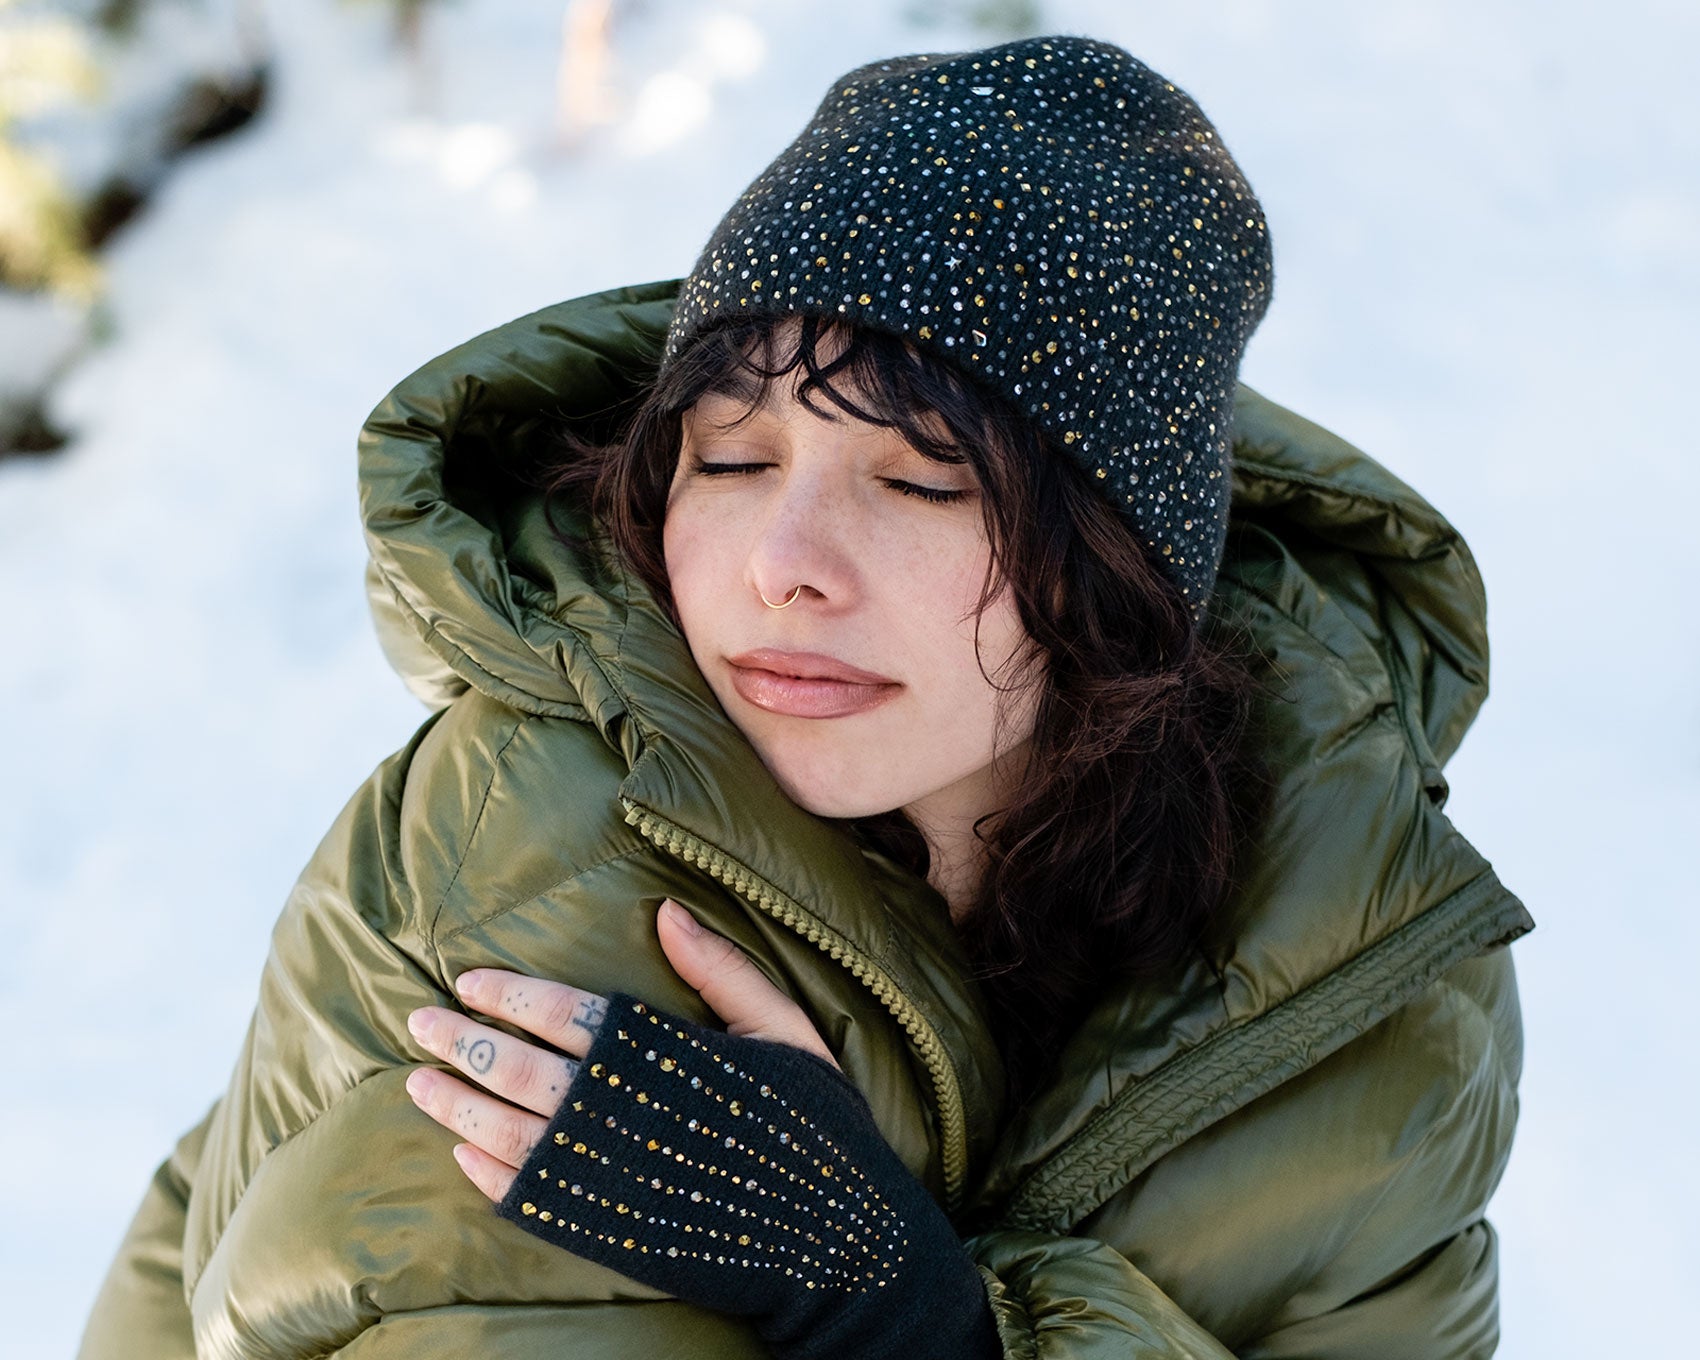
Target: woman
x,y
893,605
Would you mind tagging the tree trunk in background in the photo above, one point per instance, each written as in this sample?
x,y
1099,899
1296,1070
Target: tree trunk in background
x,y
583,99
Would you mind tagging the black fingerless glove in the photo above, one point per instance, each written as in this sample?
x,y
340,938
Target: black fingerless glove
x,y
749,1177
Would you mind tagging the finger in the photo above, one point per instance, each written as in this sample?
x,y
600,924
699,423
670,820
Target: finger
x,y
522,1073
490,1125
490,1175
556,1013
734,988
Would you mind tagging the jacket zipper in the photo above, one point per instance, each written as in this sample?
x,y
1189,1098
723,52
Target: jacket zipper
x,y
953,1123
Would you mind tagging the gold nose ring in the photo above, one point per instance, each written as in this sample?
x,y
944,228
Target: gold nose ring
x,y
795,592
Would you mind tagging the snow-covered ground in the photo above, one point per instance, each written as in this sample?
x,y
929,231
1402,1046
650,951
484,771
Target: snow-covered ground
x,y
1486,218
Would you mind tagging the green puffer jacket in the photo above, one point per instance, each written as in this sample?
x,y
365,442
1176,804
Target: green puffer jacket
x,y
1288,1154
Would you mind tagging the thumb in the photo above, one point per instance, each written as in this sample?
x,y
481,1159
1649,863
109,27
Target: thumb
x,y
735,989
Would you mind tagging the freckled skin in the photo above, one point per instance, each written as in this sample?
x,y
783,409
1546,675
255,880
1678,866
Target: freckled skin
x,y
888,583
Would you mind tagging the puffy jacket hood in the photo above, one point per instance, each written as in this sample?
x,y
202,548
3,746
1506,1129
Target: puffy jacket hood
x,y
1365,603
482,609
1394,577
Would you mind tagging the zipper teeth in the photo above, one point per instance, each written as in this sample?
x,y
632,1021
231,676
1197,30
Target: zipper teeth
x,y
734,875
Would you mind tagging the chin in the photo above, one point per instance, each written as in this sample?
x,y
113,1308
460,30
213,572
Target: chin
x,y
834,803
827,792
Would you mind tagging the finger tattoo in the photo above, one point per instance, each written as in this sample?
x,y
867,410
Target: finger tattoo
x,y
591,1013
570,1070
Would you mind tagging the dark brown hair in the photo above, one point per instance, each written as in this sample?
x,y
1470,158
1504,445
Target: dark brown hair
x,y
1115,855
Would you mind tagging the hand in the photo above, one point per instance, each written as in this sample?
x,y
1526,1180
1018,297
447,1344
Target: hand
x,y
526,1083
739,1171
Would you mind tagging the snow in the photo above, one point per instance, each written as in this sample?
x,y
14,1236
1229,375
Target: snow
x,y
1485,216
39,335
144,76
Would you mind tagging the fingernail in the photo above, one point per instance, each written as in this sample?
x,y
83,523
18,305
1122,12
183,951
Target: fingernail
x,y
418,1083
464,984
460,1155
681,918
417,1023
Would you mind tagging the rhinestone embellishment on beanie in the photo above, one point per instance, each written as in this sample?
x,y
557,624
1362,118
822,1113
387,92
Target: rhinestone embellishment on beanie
x,y
1056,219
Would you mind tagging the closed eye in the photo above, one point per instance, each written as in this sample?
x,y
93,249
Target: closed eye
x,y
936,495
932,494
724,469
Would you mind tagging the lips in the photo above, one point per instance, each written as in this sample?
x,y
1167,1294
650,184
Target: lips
x,y
807,684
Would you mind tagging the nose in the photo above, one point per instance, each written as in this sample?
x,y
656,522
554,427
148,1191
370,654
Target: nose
x,y
800,548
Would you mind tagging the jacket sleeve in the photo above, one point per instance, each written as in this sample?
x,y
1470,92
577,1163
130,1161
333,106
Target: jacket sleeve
x,y
141,1312
1414,1270
1071,1298
1446,1304
326,1216
1340,1216
1337,1217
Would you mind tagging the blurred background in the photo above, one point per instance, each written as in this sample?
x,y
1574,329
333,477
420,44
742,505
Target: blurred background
x,y
228,227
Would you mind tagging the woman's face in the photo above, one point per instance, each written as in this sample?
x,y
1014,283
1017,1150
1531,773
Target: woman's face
x,y
866,692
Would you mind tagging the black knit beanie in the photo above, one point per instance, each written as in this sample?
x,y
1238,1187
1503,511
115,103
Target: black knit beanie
x,y
1057,220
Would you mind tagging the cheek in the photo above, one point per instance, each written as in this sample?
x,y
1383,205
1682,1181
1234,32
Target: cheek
x,y
1004,652
699,541
989,634
685,551
676,546
936,616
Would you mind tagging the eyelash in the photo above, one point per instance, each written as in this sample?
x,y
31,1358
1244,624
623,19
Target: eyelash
x,y
931,494
927,493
